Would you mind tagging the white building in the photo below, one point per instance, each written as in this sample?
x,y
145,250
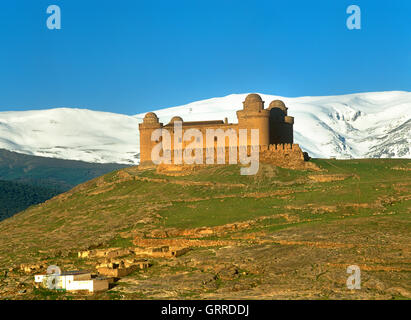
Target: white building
x,y
72,281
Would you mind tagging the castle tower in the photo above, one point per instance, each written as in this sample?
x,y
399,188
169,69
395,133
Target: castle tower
x,y
281,125
254,116
150,123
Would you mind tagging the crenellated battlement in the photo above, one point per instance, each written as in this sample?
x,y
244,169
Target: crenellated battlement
x,y
281,154
280,147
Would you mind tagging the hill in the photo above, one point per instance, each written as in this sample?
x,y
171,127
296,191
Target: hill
x,y
280,234
64,174
15,197
26,180
361,125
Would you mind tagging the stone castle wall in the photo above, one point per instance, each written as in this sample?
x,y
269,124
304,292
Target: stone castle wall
x,y
275,133
283,155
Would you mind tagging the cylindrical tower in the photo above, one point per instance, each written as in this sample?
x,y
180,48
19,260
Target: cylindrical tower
x,y
281,125
150,123
254,116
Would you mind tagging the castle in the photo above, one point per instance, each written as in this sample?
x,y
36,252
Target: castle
x,y
275,131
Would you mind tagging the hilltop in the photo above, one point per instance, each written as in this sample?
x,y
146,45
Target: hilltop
x,y
280,234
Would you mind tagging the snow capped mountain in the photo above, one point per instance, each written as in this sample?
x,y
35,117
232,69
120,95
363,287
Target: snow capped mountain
x,y
74,134
362,125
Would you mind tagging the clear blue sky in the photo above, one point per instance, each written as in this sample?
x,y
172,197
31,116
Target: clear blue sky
x,y
132,56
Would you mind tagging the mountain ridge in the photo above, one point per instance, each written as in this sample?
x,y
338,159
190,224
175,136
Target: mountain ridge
x,y
355,125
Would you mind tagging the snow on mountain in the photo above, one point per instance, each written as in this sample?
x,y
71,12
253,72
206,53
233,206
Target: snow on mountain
x,y
358,125
362,125
74,134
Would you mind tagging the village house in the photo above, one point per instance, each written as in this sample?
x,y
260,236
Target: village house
x,y
73,281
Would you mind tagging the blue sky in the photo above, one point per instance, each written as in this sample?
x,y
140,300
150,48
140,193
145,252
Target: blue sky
x,y
134,56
